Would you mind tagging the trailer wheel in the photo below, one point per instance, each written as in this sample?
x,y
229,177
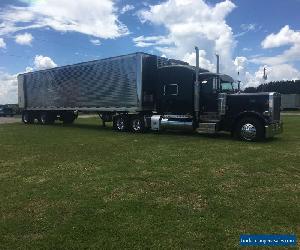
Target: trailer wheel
x,y
27,118
68,117
46,118
137,124
43,118
120,123
250,129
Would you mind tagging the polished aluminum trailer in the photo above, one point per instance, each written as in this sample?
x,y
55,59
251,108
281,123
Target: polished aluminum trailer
x,y
112,84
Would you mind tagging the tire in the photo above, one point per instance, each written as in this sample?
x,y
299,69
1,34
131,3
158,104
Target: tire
x,y
250,129
43,118
137,124
120,123
27,118
46,118
68,117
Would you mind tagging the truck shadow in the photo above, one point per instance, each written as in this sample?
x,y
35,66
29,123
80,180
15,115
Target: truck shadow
x,y
219,136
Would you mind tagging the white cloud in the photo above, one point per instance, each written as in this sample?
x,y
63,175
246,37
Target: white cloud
x,y
9,82
43,62
2,43
285,36
206,64
279,67
143,41
275,73
126,8
96,18
189,23
8,88
240,63
248,27
247,49
24,39
96,42
282,72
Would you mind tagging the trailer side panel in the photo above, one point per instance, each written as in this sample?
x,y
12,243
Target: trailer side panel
x,y
108,84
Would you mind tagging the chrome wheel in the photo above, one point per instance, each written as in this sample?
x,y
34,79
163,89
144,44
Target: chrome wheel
x,y
43,118
136,125
26,118
120,124
248,132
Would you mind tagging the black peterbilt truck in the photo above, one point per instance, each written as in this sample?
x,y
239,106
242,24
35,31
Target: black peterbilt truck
x,y
140,91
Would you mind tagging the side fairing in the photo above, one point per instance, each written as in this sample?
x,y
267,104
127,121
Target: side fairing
x,y
174,91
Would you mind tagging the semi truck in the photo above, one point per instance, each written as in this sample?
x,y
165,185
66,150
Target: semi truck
x,y
140,92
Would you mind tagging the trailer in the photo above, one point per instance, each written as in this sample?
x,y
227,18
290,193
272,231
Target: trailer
x,y
290,101
139,91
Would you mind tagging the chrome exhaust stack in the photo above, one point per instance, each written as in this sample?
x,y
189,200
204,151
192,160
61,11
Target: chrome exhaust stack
x,y
197,89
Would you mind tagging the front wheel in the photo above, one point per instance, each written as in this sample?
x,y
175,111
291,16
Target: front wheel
x,y
250,129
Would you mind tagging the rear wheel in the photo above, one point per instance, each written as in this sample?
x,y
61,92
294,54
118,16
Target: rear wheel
x,y
43,118
120,123
68,117
250,129
137,124
46,118
27,118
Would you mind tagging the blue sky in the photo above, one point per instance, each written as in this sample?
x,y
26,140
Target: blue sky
x,y
37,34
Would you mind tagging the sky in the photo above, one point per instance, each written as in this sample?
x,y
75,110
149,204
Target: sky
x,y
249,35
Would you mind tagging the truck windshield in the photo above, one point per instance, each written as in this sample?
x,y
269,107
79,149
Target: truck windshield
x,y
229,87
226,86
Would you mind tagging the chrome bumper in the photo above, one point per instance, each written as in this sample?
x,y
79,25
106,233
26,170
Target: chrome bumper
x,y
273,129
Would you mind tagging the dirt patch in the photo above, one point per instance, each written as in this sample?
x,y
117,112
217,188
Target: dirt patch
x,y
5,120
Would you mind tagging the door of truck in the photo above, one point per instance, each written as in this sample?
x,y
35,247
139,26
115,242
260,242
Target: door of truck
x,y
209,95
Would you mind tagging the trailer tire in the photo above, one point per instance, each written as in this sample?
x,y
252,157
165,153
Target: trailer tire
x,y
120,123
249,129
68,117
43,118
137,124
46,118
27,118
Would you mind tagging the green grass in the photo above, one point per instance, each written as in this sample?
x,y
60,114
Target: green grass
x,y
84,186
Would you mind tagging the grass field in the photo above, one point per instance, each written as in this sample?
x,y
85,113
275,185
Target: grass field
x,y
84,186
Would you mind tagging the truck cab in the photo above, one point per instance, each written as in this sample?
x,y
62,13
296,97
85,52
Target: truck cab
x,y
222,107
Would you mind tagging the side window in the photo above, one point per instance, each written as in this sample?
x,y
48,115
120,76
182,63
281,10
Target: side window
x,y
210,85
207,86
171,89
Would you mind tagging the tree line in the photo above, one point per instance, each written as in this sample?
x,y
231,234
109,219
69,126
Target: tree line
x,y
282,87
